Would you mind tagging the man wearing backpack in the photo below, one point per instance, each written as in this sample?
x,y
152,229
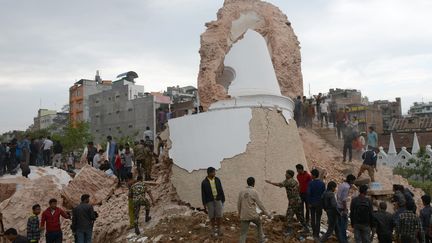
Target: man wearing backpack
x,y
330,206
369,163
361,216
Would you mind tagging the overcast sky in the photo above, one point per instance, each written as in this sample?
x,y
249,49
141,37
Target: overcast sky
x,y
382,47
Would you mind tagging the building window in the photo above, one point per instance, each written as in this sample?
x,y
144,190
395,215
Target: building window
x,y
97,101
117,112
117,96
130,126
109,129
109,98
109,113
97,130
130,109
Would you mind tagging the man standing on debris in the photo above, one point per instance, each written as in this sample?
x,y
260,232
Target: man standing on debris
x,y
294,200
91,152
83,217
139,152
342,204
330,206
369,163
148,159
111,151
298,111
213,198
340,122
315,192
51,222
46,147
246,206
58,150
361,210
324,108
383,224
348,137
304,178
33,226
372,138
138,193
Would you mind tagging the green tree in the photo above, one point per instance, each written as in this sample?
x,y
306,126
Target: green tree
x,y
74,138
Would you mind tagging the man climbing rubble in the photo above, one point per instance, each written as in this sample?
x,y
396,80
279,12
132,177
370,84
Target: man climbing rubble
x,y
294,200
369,163
213,198
247,203
138,193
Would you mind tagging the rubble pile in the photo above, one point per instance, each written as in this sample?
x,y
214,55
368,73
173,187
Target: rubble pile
x,y
17,208
88,181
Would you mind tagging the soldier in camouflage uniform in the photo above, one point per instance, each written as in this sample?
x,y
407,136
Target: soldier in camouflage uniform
x,y
138,193
294,200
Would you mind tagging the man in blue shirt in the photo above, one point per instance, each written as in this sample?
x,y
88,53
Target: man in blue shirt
x,y
372,139
315,190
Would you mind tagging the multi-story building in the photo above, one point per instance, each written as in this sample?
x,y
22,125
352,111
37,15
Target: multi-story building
x,y
367,116
421,109
345,97
50,119
390,110
122,111
79,95
184,100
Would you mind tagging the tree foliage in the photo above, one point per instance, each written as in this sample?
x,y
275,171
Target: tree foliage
x,y
422,167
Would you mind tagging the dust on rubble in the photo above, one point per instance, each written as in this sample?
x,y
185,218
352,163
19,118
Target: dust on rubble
x,y
196,228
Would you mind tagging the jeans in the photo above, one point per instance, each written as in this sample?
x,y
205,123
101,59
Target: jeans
x,y
324,116
244,228
316,213
349,148
39,159
83,236
306,214
54,237
362,233
343,225
340,127
112,162
332,217
47,157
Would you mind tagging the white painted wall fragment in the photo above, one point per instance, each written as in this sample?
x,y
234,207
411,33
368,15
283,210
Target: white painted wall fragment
x,y
254,72
204,140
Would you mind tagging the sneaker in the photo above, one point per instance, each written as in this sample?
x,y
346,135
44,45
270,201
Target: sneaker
x,y
137,231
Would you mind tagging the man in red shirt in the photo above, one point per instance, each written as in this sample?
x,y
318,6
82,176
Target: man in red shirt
x,y
303,177
51,222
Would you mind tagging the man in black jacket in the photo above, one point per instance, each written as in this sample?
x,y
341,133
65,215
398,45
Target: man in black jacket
x,y
383,224
213,198
330,206
361,216
83,217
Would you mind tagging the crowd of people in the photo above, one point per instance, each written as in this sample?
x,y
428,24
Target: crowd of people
x,y
21,152
83,216
309,197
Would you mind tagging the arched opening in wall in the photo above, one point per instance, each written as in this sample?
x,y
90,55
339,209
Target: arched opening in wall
x,y
228,75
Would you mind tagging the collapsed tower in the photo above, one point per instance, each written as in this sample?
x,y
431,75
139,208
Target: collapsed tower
x,y
250,67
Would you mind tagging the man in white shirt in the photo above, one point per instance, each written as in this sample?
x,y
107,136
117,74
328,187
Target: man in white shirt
x,y
98,159
46,147
148,133
324,112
